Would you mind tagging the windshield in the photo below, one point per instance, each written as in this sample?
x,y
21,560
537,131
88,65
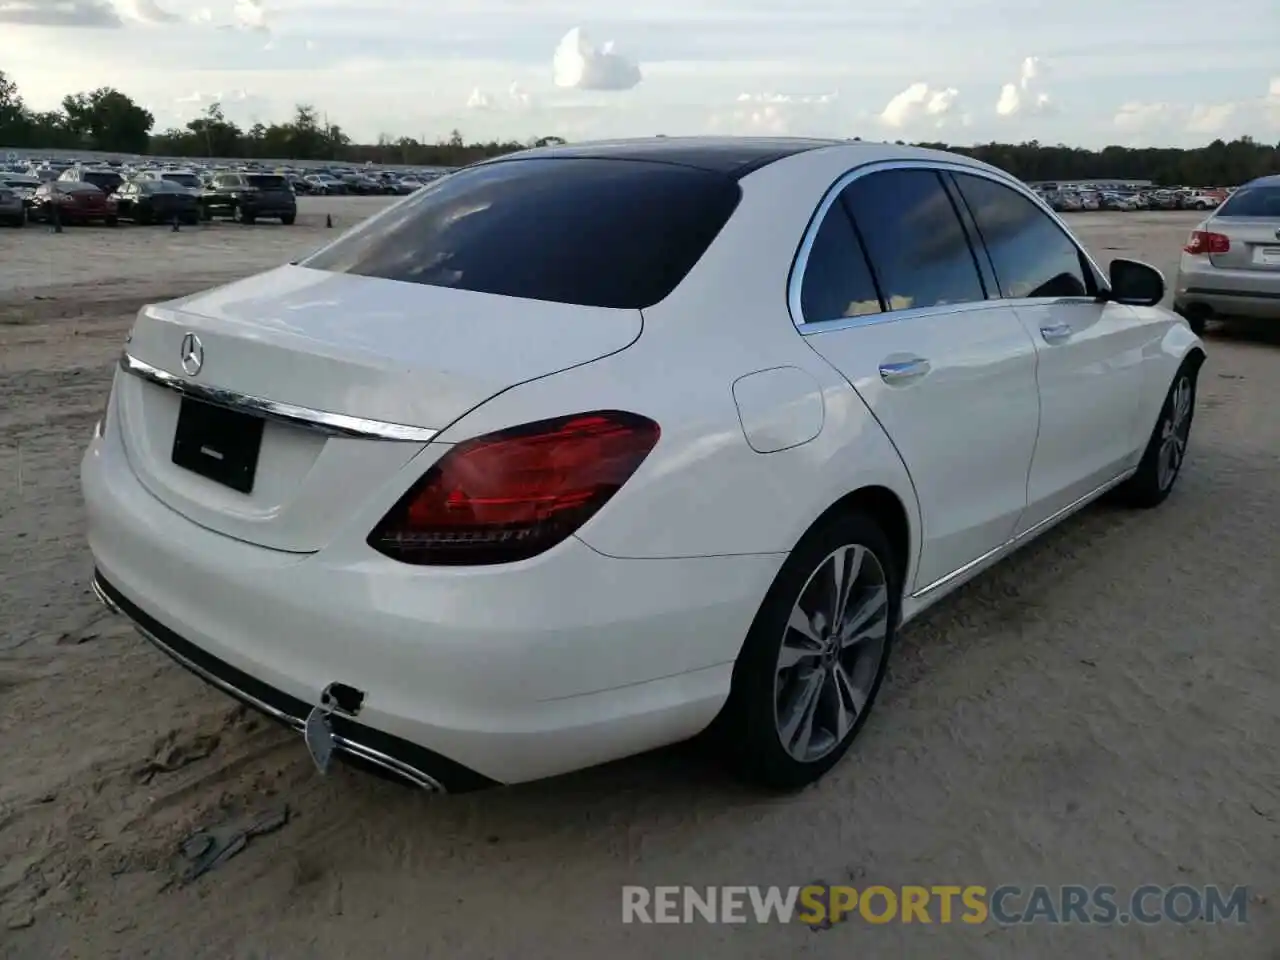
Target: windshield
x,y
102,179
592,232
1253,202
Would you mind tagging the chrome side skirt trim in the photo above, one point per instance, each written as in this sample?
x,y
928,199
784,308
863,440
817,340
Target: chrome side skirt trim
x,y
1017,541
391,764
319,421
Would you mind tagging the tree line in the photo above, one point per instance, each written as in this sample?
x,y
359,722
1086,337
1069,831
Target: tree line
x,y
107,120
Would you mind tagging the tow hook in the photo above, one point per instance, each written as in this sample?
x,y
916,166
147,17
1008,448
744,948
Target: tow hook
x,y
317,732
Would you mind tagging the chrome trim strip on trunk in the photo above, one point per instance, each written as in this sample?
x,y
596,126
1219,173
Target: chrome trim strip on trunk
x,y
320,421
369,755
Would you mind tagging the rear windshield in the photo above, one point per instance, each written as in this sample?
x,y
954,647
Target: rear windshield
x,y
102,179
591,232
181,179
1253,202
264,182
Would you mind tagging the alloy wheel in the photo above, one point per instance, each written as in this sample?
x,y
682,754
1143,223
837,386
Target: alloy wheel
x,y
1174,431
831,652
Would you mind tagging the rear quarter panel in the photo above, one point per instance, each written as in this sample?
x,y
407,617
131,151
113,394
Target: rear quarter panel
x,y
703,491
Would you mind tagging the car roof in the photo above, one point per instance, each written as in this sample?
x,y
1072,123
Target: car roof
x,y
1271,180
734,156
739,156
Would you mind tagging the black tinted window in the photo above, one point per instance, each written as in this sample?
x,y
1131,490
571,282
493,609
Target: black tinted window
x,y
265,182
606,233
914,238
1031,255
837,281
1253,202
102,179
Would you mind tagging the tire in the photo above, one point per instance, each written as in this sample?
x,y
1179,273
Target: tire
x,y
1198,325
112,221
288,219
757,723
1158,470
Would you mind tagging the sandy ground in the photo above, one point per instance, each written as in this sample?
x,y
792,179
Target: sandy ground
x,y
1103,708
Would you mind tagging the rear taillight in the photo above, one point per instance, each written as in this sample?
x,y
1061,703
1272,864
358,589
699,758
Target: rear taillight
x,y
1205,241
511,495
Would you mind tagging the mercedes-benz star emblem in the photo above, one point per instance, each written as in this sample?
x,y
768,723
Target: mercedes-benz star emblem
x,y
192,354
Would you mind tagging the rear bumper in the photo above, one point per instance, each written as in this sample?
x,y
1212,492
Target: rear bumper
x,y
470,676
406,760
1210,291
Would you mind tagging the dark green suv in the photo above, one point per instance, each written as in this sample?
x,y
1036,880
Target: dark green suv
x,y
246,197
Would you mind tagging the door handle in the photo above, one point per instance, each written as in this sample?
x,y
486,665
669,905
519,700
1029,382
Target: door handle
x,y
904,371
1056,333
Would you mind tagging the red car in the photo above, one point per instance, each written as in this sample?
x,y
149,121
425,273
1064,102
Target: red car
x,y
74,201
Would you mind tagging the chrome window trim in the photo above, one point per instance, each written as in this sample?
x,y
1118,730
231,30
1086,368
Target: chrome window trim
x,y
795,280
318,421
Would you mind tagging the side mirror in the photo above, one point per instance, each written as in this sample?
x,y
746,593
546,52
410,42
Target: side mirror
x,y
1135,284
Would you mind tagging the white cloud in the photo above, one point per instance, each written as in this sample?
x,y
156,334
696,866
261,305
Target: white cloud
x,y
1201,119
517,98
519,95
1026,95
1211,118
921,102
238,105
767,119
479,100
251,15
578,64
146,11
786,98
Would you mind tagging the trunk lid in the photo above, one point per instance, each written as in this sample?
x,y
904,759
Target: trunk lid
x,y
1255,243
379,350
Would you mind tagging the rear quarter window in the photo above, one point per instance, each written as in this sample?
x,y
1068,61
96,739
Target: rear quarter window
x,y
592,232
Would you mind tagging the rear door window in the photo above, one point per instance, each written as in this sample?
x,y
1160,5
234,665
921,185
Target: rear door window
x,y
914,239
1031,255
587,231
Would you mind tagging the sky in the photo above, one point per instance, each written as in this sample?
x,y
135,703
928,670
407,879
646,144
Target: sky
x,y
1088,72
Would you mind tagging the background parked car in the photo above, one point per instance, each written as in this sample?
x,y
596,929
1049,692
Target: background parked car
x,y
156,201
246,197
21,184
1230,266
104,178
187,180
72,201
13,211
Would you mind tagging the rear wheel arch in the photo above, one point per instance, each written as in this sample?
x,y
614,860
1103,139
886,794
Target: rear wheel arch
x,y
890,513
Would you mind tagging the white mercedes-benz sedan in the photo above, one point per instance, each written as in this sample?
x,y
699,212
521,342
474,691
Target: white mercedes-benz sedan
x,y
586,450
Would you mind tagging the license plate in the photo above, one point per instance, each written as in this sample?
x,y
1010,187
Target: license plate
x,y
1270,256
219,444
